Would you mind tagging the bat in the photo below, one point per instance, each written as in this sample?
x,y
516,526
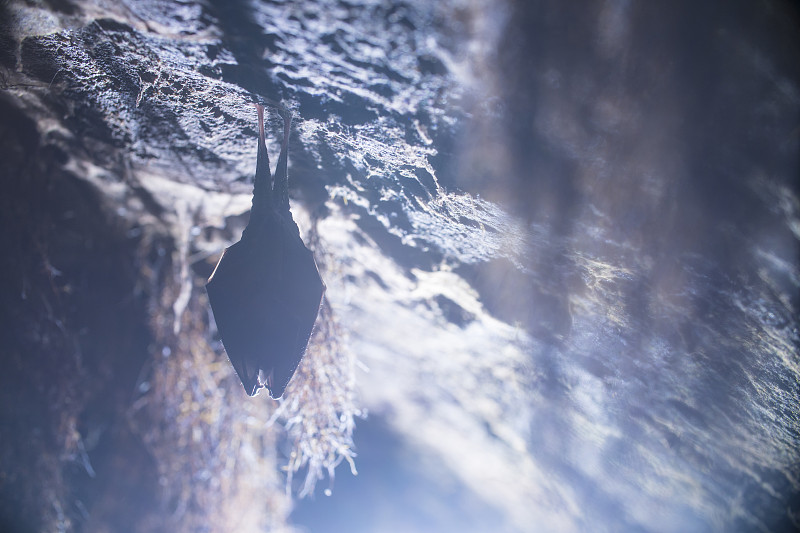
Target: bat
x,y
266,291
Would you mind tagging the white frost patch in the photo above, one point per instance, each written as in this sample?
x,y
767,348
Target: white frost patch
x,y
213,206
469,229
457,393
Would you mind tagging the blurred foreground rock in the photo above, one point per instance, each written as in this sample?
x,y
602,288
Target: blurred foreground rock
x,y
107,339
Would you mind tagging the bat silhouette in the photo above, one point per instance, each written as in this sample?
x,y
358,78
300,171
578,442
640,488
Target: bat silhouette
x,y
265,291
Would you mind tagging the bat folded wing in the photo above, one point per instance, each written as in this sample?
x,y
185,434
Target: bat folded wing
x,y
265,296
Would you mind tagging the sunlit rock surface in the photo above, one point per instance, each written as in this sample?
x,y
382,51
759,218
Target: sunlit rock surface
x,y
561,243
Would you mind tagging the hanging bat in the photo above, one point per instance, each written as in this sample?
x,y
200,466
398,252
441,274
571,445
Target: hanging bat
x,y
266,291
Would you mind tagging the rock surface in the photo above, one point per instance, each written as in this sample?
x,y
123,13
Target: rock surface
x,y
560,244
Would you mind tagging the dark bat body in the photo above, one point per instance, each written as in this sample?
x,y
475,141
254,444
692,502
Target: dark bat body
x,y
266,290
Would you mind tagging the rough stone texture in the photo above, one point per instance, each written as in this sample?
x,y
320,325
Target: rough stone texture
x,y
562,239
